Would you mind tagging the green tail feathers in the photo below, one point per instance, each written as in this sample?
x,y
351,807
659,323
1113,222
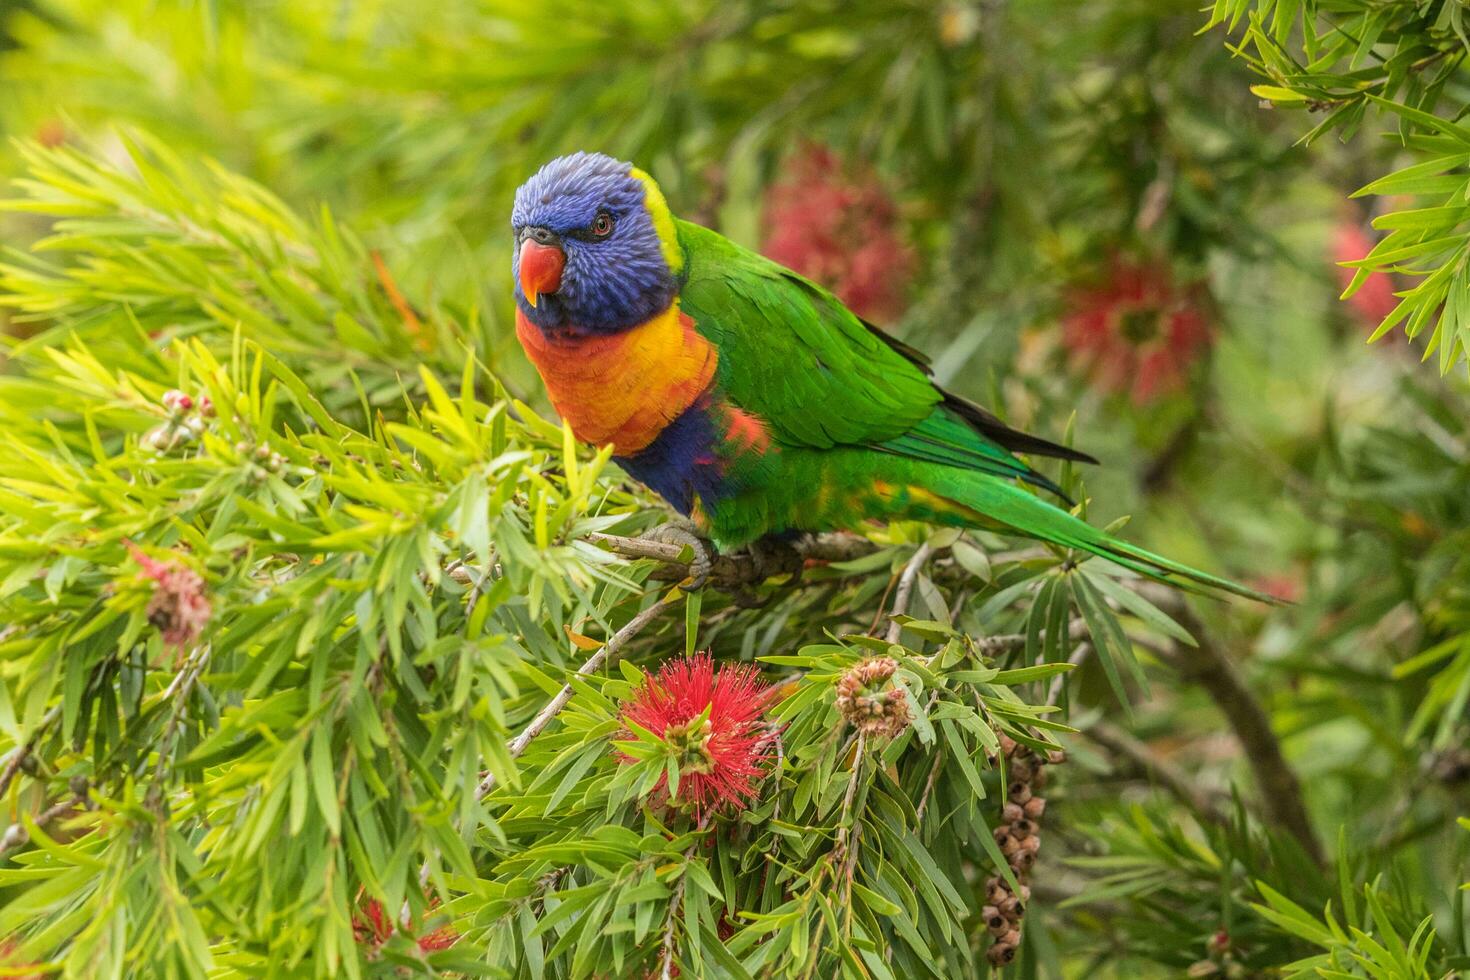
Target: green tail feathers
x,y
1006,503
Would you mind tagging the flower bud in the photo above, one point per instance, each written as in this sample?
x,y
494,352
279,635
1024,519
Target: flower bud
x,y
176,401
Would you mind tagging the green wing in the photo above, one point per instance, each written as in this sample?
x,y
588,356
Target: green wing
x,y
819,376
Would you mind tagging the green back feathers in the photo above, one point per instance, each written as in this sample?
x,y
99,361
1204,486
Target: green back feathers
x,y
820,376
829,386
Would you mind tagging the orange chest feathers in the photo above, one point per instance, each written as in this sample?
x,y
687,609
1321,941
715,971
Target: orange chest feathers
x,y
623,388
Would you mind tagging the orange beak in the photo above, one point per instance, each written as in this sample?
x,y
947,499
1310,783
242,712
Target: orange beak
x,y
541,267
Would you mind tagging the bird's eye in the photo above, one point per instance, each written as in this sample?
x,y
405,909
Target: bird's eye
x,y
602,225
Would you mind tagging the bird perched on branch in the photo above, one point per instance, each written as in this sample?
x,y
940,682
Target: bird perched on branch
x,y
749,397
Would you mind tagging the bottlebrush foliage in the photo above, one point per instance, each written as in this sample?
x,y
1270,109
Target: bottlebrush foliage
x,y
273,666
360,707
1399,65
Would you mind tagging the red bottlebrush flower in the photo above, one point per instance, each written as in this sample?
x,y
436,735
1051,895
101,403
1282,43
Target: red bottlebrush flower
x,y
1138,333
1374,300
374,927
842,231
179,608
722,757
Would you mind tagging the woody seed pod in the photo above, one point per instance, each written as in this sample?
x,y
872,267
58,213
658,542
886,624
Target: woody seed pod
x,y
1000,954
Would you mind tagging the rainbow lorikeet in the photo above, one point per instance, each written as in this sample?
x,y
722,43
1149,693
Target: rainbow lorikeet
x,y
749,397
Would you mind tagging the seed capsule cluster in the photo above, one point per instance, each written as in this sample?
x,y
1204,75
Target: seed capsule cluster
x,y
868,698
1018,840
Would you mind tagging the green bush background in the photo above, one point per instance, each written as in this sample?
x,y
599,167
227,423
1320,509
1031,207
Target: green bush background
x,y
220,185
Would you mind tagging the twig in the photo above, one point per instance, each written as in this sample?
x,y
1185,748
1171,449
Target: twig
x,y
851,794
178,691
928,788
606,652
905,591
640,547
1160,770
1006,642
667,970
1081,653
22,752
17,835
1209,666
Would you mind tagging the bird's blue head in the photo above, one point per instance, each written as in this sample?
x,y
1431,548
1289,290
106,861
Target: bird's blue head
x,y
596,249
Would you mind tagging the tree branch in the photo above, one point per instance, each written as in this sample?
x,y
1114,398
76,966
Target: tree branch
x,y
740,569
905,594
666,971
22,752
606,652
1210,668
1160,770
16,835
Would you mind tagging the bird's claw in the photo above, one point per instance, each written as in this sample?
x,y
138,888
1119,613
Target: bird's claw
x,y
684,533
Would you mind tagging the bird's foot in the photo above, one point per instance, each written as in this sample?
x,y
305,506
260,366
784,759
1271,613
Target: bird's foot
x,y
682,532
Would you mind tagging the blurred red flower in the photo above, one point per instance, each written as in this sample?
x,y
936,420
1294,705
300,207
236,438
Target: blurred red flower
x,y
722,757
11,965
1374,300
842,231
374,927
1138,333
179,607
1286,586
